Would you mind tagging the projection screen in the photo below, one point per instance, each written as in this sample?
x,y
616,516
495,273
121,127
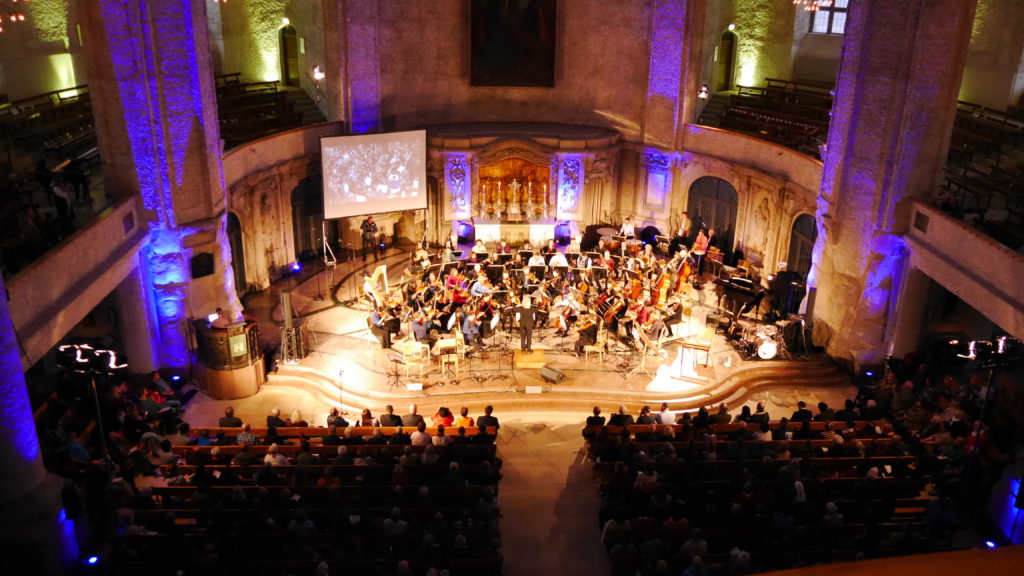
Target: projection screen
x,y
373,173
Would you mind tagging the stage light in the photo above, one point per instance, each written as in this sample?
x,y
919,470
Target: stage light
x,y
296,266
869,374
990,544
91,560
175,378
318,74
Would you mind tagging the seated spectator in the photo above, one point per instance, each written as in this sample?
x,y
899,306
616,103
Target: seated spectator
x,y
464,420
245,457
760,415
274,456
488,420
366,418
596,419
412,419
744,415
722,416
342,458
389,418
274,419
645,416
247,437
332,438
297,420
440,439
621,418
420,437
443,417
825,414
305,456
229,420
802,414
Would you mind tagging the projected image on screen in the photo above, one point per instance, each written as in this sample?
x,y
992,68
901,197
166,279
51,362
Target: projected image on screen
x,y
374,173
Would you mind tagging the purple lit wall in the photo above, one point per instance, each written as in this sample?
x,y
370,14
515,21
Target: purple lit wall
x,y
21,468
364,92
665,71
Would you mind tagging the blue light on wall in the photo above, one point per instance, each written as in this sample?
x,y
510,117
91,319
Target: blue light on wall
x,y
1006,515
19,449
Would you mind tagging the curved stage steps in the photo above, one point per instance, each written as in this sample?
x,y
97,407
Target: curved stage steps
x,y
509,396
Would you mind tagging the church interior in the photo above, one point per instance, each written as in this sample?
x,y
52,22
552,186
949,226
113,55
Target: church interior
x,y
741,280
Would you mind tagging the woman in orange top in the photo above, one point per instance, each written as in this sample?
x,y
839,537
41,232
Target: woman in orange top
x,y
464,420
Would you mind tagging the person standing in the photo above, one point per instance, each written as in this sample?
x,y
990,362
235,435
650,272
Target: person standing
x,y
527,316
369,230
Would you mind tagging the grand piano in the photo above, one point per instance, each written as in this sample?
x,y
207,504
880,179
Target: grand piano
x,y
737,292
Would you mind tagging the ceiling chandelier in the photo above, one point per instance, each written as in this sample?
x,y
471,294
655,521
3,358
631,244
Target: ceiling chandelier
x,y
812,5
10,13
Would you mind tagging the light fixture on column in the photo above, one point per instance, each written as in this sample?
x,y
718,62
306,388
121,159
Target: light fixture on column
x,y
812,5
318,75
703,92
10,13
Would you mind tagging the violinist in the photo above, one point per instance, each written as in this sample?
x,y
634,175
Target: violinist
x,y
471,333
536,260
527,245
421,329
480,287
479,252
503,247
383,324
574,246
422,254
549,248
584,262
606,261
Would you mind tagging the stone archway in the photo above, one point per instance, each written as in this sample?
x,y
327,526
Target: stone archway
x,y
801,244
234,233
713,204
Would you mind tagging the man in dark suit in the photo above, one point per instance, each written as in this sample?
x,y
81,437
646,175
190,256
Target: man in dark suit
x,y
389,418
802,414
412,419
274,419
596,419
527,315
230,420
488,420
620,418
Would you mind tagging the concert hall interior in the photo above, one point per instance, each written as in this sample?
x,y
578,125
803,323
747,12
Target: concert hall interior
x,y
777,244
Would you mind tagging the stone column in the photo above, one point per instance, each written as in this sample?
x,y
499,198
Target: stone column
x,y
993,73
891,123
905,331
134,321
677,28
352,64
29,497
156,121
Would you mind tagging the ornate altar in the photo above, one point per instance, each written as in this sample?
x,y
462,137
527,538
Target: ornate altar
x,y
505,176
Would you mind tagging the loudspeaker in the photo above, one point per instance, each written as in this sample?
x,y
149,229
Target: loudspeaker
x,y
551,374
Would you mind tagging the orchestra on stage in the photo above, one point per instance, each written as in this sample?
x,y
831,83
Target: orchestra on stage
x,y
623,288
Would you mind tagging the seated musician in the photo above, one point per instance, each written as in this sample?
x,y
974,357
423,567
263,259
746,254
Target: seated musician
x,y
479,252
421,253
558,259
549,248
421,326
383,324
647,256
526,245
368,290
536,260
584,262
628,229
480,286
471,333
682,232
701,243
503,247
655,326
587,333
517,262
606,261
574,246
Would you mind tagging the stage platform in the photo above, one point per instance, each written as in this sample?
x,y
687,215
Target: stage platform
x,y
346,366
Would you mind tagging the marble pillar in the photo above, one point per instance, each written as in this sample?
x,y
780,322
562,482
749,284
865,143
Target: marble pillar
x,y
155,103
353,85
891,124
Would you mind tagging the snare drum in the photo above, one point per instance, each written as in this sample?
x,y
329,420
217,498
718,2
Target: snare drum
x,y
634,247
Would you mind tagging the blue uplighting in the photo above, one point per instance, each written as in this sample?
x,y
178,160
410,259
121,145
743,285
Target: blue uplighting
x,y
990,544
175,378
869,374
296,266
92,560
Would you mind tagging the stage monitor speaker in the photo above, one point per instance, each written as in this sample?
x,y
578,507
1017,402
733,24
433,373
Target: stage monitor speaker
x,y
551,374
414,386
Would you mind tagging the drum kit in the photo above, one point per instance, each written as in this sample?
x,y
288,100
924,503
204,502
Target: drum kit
x,y
763,341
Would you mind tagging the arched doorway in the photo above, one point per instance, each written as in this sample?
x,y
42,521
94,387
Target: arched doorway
x,y
712,205
726,62
289,56
308,220
801,244
234,232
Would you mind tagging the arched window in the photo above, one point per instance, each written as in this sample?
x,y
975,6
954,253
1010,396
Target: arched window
x,y
726,55
712,205
289,56
830,19
801,244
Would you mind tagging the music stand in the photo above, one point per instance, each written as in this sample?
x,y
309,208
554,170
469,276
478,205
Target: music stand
x,y
448,267
572,258
500,296
599,273
664,243
563,270
494,273
504,258
526,254
457,254
594,255
394,376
